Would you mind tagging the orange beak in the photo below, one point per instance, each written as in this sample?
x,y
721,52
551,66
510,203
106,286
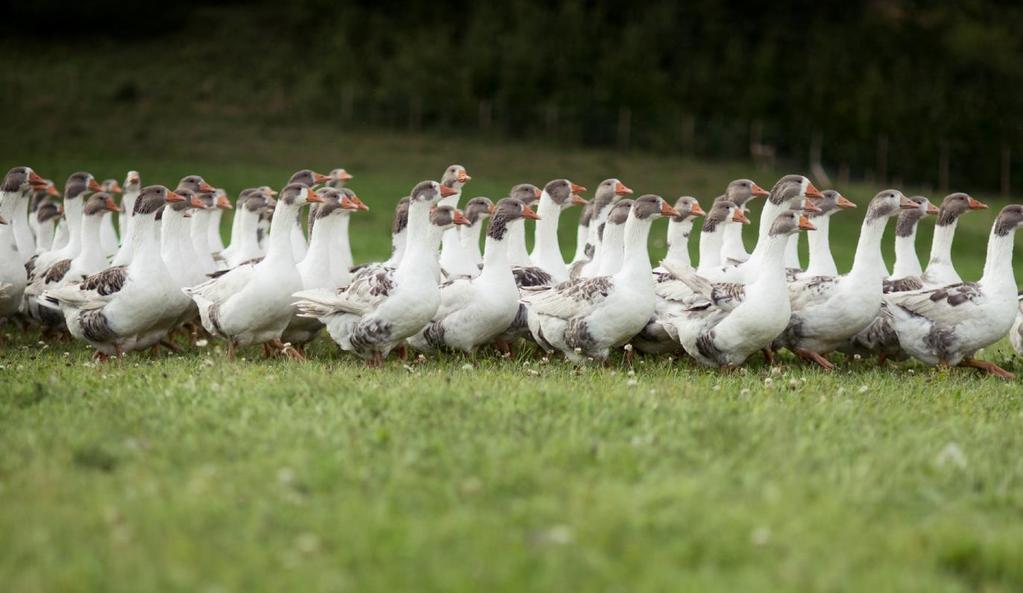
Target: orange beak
x,y
578,200
116,188
359,204
52,190
537,192
132,179
759,191
577,188
173,197
812,192
35,179
464,177
111,205
932,209
446,191
348,204
93,185
621,190
977,205
312,196
460,218
805,224
272,192
529,213
224,203
696,210
195,202
343,175
809,206
320,177
205,187
740,217
844,203
668,210
907,204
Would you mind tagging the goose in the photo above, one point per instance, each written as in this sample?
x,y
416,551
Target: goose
x,y
474,311
583,252
13,277
399,233
376,313
242,214
40,196
199,231
327,263
604,198
654,339
723,213
178,253
107,233
47,214
24,239
132,187
310,179
336,178
214,240
725,338
586,317
789,192
476,211
251,303
821,262
61,235
939,270
879,337
739,192
556,196
612,239
947,325
828,310
115,309
518,255
453,254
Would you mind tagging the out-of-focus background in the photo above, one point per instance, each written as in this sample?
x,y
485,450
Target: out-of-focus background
x,y
674,98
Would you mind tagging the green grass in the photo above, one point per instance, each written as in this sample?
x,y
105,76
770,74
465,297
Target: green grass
x,y
191,473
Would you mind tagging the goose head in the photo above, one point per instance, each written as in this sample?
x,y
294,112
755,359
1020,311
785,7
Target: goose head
x,y
455,177
910,216
888,203
338,177
507,212
154,197
1008,220
741,191
47,210
792,188
111,186
132,182
608,191
430,192
79,183
688,208
955,205
650,207
478,209
723,212
296,195
191,201
22,179
527,193
307,177
564,193
445,217
831,202
100,203
790,222
335,202
195,183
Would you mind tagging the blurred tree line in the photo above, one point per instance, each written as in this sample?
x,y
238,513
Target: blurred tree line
x,y
889,90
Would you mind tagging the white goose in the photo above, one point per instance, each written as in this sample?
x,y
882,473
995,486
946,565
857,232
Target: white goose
x,y
115,309
247,217
739,192
948,325
583,252
253,205
251,303
723,214
679,229
452,252
556,196
199,230
586,317
13,277
46,215
518,255
41,196
132,187
107,232
474,311
612,239
821,262
939,270
604,198
214,240
74,191
310,179
327,263
725,338
467,262
829,310
377,312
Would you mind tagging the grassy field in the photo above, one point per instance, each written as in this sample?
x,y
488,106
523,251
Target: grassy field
x,y
187,472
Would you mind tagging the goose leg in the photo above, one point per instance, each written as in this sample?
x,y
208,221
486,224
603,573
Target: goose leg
x,y
286,349
402,350
990,367
815,358
375,360
768,356
230,349
168,344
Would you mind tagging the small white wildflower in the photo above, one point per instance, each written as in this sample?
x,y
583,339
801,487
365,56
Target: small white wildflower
x,y
627,347
408,368
760,536
285,476
793,383
534,372
951,455
421,358
716,388
857,357
559,534
841,391
545,360
631,373
911,371
775,370
632,382
578,350
744,392
863,389
202,343
467,367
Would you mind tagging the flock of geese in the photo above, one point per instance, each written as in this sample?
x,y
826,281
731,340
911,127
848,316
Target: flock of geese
x,y
162,270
